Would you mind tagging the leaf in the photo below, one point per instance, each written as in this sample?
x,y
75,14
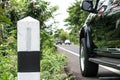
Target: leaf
x,y
2,11
4,19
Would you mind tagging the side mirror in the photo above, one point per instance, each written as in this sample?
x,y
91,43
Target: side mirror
x,y
89,5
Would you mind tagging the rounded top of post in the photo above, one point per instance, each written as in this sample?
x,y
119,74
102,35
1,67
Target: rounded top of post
x,y
28,19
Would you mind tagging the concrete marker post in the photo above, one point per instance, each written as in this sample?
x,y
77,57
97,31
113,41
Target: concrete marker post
x,y
28,41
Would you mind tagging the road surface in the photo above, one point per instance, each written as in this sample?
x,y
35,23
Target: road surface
x,y
72,52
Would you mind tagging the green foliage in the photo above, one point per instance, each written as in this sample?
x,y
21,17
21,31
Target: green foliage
x,y
8,59
61,34
47,42
3,18
40,11
57,33
74,38
64,35
76,16
8,68
76,20
15,10
52,66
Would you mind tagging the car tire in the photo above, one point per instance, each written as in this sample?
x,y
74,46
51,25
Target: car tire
x,y
88,69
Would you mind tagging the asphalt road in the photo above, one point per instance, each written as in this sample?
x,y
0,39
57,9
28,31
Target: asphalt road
x,y
72,52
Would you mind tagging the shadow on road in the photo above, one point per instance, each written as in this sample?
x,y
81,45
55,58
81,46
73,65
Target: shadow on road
x,y
101,75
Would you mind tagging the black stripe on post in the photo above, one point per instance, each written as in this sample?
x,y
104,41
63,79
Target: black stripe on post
x,y
29,61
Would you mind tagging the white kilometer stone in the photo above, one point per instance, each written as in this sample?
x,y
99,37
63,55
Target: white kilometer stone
x,y
28,41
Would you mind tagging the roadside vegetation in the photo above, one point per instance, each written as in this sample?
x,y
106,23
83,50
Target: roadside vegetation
x,y
52,66
51,63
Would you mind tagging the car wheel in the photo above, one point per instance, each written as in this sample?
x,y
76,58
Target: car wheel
x,y
88,69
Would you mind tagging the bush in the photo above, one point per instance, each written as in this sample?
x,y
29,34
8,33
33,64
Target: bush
x,y
8,59
8,67
51,66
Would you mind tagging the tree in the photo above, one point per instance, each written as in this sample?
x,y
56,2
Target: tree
x,y
76,19
64,35
57,33
61,34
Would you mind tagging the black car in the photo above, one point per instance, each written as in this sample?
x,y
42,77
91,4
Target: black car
x,y
100,36
58,42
